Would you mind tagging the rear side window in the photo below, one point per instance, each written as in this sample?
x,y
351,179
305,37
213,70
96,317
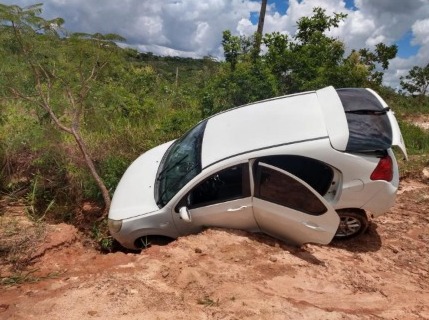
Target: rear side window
x,y
369,125
274,186
316,173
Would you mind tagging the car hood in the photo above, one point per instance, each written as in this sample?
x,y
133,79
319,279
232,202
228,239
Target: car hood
x,y
134,194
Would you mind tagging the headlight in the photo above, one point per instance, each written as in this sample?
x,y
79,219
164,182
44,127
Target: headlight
x,y
114,225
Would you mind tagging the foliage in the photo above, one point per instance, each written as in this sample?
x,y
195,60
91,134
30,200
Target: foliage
x,y
416,82
407,106
311,59
246,84
83,83
310,28
382,55
100,234
62,79
235,48
308,60
417,139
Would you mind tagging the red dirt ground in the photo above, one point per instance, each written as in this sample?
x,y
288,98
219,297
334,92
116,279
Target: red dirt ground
x,y
228,274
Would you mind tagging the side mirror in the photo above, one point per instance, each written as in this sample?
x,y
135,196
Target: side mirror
x,y
185,214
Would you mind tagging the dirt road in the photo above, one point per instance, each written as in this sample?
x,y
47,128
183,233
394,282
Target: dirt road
x,y
226,274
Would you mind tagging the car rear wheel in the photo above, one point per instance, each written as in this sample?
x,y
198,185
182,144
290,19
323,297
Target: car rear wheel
x,y
353,222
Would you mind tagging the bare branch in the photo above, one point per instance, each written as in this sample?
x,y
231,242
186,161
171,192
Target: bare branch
x,y
93,170
41,104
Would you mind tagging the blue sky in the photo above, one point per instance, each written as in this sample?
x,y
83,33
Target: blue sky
x,y
193,28
405,48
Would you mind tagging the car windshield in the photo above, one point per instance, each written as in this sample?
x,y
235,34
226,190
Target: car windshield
x,y
180,164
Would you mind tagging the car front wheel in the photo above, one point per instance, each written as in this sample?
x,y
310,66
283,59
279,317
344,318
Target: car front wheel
x,y
353,222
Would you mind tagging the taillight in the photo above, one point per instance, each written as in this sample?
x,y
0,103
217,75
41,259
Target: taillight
x,y
384,170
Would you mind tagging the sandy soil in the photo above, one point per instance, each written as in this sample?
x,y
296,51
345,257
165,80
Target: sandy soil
x,y
227,274
421,121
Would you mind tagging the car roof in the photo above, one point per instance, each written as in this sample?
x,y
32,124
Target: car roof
x,y
269,123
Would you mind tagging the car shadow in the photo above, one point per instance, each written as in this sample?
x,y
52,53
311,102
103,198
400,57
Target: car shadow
x,y
370,241
297,251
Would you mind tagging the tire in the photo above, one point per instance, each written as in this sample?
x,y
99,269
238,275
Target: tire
x,y
353,222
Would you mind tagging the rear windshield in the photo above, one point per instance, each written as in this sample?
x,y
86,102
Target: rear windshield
x,y
369,125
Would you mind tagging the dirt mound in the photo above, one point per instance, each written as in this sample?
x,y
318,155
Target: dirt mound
x,y
229,274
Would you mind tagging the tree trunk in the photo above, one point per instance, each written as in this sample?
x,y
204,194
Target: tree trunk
x,y
93,170
262,17
258,36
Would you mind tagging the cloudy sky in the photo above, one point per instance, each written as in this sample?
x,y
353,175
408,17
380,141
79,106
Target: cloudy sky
x,y
193,28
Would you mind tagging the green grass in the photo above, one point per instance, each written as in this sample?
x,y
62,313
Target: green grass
x,y
25,277
416,139
406,106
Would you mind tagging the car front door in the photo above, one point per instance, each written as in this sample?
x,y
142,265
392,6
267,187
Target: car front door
x,y
221,200
286,207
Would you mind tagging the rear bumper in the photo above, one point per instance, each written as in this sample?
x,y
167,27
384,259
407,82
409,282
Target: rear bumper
x,y
382,200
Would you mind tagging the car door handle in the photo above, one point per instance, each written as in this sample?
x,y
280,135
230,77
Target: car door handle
x,y
313,226
237,209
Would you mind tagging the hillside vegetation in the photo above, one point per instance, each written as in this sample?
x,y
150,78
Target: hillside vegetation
x,y
75,106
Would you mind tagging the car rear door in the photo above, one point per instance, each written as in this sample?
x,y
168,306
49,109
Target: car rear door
x,y
397,139
286,207
371,123
359,120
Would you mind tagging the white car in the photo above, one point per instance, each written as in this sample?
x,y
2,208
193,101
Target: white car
x,y
302,168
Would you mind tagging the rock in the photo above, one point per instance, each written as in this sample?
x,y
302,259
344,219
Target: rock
x,y
273,259
425,173
394,249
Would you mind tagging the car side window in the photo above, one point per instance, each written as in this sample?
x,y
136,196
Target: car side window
x,y
228,184
275,186
316,173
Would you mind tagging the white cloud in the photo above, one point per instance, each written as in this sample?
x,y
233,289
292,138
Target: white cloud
x,y
245,27
421,32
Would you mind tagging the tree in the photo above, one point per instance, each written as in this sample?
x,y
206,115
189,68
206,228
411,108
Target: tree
x,y
372,60
58,82
315,26
310,59
279,58
236,49
247,83
231,48
416,82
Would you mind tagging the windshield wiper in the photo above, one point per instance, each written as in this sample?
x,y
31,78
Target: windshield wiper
x,y
369,112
